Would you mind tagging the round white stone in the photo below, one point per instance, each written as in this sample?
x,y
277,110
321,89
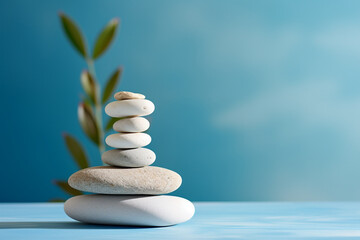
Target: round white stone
x,y
128,108
135,124
137,157
130,210
128,140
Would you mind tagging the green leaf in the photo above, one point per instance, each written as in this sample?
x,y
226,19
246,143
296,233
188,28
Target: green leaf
x,y
76,151
66,188
74,34
110,123
88,123
57,200
111,84
86,100
89,85
105,38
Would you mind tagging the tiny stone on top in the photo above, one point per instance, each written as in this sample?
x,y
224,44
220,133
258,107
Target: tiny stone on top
x,y
128,95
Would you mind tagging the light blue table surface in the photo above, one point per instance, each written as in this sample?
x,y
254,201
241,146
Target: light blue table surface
x,y
212,220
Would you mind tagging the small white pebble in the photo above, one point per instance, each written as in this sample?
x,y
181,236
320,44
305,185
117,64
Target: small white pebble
x,y
128,95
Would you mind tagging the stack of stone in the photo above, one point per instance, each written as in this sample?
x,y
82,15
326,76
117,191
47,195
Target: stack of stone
x,y
128,192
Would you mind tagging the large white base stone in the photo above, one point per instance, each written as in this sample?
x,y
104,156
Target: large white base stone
x,y
129,209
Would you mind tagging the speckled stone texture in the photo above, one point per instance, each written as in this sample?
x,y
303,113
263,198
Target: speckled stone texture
x,y
115,180
128,95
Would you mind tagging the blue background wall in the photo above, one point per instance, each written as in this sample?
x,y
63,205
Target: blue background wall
x,y
255,100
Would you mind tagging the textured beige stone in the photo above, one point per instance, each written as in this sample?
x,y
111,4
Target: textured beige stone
x,y
128,95
115,180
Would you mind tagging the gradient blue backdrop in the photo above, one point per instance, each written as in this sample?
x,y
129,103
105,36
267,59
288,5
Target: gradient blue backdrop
x,y
255,100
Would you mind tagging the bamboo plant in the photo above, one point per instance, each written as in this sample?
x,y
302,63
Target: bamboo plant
x,y
90,107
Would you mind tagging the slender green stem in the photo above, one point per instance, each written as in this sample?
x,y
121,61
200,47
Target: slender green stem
x,y
98,105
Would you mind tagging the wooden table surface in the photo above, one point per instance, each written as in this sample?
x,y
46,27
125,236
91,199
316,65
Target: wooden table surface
x,y
212,220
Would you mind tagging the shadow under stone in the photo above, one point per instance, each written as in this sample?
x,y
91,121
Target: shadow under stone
x,y
63,225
